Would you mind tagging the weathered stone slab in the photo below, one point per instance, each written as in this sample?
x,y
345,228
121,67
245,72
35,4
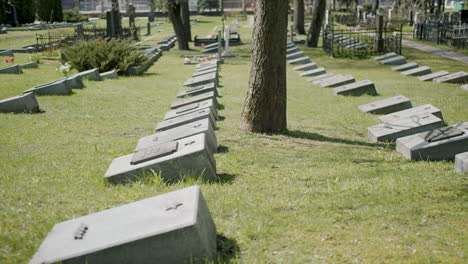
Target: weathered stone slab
x,y
187,130
185,119
207,67
292,50
301,60
184,110
356,89
405,67
210,87
431,76
206,64
212,45
211,50
25,103
318,78
14,69
75,82
295,55
57,87
92,74
339,81
422,70
458,77
387,105
28,65
426,146
146,231
6,53
207,71
386,56
314,72
419,110
200,80
306,67
195,99
461,162
172,160
398,60
109,75
404,127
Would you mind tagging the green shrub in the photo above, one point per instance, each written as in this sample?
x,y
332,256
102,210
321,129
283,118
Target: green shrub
x,y
73,15
367,7
105,55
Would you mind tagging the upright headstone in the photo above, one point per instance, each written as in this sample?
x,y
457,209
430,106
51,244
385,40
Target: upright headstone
x,y
326,17
379,41
227,35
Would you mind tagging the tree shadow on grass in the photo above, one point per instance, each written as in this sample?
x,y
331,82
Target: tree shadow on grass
x,y
223,149
227,249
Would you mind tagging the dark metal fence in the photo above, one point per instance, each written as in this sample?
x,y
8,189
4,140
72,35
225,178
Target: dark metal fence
x,y
442,32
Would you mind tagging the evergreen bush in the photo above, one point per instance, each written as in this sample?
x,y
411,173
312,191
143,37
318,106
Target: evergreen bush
x,y
73,15
105,55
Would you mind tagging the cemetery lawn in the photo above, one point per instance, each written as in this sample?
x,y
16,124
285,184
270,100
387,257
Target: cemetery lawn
x,y
320,193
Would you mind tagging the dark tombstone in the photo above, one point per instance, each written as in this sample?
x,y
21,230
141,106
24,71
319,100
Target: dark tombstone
x,y
114,23
379,41
464,16
11,14
131,15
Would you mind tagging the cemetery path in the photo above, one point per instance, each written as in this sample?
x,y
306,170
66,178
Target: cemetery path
x,y
444,53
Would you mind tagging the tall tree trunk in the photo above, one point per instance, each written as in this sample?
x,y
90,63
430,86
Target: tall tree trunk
x,y
375,7
265,104
244,11
185,13
174,12
316,24
299,16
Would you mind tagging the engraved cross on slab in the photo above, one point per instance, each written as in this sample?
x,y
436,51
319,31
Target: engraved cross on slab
x,y
154,152
441,134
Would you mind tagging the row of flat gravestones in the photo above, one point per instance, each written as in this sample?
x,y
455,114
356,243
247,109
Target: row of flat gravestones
x,y
174,227
420,132
424,73
348,43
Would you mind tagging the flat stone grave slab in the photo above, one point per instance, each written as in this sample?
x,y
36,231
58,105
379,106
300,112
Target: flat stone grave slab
x,y
439,144
172,160
295,55
25,103
292,50
207,67
206,64
316,79
146,231
6,53
464,87
208,71
356,89
301,60
187,130
334,82
386,56
211,50
185,119
431,76
92,74
398,60
109,75
204,79
461,162
57,87
458,77
195,99
326,78
306,67
404,127
75,82
419,110
314,72
422,70
212,45
184,110
29,65
387,105
405,67
196,90
13,69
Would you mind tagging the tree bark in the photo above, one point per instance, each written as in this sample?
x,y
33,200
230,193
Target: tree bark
x,y
316,24
299,16
265,104
174,12
185,13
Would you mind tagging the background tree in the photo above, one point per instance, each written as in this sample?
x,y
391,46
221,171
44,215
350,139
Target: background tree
x,y
25,11
299,16
50,10
2,12
375,7
185,13
265,104
318,14
174,13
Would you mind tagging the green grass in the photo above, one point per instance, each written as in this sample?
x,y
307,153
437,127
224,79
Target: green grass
x,y
321,193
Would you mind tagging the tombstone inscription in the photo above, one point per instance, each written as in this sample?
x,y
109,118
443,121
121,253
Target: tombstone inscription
x,y
356,89
387,105
422,109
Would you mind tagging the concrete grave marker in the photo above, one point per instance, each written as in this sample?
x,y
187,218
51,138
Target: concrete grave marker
x,y
306,67
292,50
398,60
404,127
386,56
458,77
356,89
431,76
185,119
207,67
195,99
172,160
25,103
29,65
301,60
338,81
212,45
405,67
200,80
326,78
208,71
13,69
196,90
419,110
187,130
187,109
92,74
387,105
461,162
422,70
439,144
109,75
314,72
7,53
295,55
211,50
57,87
75,82
146,231
318,78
